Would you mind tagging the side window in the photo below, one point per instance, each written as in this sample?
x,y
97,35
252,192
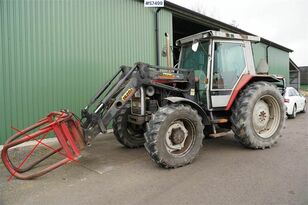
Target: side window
x,y
292,93
288,93
229,63
295,92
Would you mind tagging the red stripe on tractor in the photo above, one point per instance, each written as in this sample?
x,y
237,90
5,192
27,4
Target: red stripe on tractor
x,y
243,81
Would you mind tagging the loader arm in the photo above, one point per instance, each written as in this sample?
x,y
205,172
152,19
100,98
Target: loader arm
x,y
113,96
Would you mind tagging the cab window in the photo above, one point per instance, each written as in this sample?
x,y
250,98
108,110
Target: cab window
x,y
195,60
229,63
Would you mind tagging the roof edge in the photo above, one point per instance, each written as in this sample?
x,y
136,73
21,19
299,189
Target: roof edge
x,y
180,10
293,64
177,8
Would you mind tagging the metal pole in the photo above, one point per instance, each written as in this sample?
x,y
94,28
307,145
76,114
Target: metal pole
x,y
168,50
157,36
142,103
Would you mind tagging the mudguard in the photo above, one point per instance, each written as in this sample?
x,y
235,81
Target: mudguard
x,y
194,105
244,81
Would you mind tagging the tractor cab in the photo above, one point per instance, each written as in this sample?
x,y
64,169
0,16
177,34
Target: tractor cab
x,y
219,60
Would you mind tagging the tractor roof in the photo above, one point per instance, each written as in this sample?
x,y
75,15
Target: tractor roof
x,y
217,34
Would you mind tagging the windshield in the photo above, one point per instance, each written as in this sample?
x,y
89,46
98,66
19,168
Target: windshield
x,y
195,60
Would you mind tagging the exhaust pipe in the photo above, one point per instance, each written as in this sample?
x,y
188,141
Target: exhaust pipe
x,y
168,50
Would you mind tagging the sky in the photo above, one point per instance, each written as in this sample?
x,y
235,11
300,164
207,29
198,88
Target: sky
x,y
282,21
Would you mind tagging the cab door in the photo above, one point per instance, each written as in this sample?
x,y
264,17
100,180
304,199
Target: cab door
x,y
227,67
197,61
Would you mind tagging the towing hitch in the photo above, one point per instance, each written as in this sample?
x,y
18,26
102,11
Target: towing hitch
x,y
67,132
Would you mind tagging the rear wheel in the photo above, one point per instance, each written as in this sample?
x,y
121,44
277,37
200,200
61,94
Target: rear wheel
x,y
258,115
128,134
305,108
293,115
174,136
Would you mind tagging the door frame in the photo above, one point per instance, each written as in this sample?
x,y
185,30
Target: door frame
x,y
223,94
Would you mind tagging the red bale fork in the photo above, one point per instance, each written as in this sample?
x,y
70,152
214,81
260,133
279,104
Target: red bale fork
x,y
68,133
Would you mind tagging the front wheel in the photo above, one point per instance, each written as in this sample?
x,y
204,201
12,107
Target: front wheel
x,y
258,115
174,136
128,134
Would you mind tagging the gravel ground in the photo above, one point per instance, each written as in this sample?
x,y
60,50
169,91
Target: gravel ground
x,y
224,173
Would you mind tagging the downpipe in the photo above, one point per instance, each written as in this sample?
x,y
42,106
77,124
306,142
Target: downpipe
x,y
157,36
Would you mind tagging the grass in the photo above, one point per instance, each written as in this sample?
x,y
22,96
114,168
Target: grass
x,y
304,87
304,90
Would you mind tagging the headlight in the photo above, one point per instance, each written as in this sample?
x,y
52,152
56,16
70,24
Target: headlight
x,y
150,91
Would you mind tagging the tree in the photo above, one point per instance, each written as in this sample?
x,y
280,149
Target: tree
x,y
202,9
234,23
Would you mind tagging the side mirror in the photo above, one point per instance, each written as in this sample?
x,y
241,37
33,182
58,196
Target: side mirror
x,y
195,46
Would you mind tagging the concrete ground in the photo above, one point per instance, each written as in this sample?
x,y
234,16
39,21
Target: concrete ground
x,y
224,173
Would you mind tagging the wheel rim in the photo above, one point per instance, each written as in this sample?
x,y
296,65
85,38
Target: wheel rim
x,y
266,116
180,137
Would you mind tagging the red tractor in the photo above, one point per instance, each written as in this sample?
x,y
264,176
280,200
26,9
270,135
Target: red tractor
x,y
214,89
169,110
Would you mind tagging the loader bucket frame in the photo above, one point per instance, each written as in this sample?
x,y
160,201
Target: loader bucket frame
x,y
67,132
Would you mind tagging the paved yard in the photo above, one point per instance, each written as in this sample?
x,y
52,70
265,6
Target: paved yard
x,y
224,173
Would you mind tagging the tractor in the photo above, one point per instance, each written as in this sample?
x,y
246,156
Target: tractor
x,y
214,88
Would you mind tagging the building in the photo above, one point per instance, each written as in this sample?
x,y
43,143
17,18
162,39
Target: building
x,y
304,77
295,76
56,54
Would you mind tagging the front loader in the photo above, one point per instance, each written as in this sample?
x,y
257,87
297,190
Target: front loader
x,y
214,89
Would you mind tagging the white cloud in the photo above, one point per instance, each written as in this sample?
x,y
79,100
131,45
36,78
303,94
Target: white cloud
x,y
282,21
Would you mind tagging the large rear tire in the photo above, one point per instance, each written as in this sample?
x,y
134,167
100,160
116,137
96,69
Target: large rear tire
x,y
258,115
174,136
129,135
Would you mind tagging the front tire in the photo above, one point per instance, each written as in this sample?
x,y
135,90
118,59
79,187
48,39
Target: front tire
x,y
258,115
174,136
129,135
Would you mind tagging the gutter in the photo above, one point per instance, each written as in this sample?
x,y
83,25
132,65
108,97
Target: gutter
x,y
157,36
267,47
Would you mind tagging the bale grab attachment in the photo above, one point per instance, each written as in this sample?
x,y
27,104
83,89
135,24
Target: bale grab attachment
x,y
67,132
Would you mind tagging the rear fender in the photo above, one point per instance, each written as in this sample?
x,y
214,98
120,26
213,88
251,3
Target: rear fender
x,y
245,80
194,105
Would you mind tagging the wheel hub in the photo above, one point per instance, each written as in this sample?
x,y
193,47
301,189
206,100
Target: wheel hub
x,y
261,115
176,136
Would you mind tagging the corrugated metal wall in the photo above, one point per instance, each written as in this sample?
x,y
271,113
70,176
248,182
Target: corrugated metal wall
x,y
294,79
278,59
304,75
56,53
